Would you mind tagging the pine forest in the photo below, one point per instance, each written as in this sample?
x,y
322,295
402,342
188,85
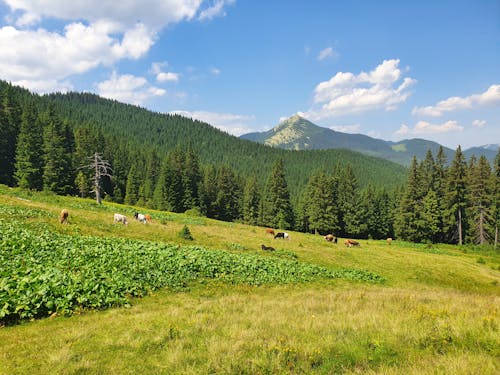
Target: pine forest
x,y
80,144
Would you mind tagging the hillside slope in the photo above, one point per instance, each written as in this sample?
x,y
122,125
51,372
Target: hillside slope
x,y
163,132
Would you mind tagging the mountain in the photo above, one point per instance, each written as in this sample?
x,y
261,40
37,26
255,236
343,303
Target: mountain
x,y
297,133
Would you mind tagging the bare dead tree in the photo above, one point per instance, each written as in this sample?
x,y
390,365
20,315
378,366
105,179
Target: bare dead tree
x,y
101,168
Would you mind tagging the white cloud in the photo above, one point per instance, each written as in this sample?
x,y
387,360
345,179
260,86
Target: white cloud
x,y
347,93
424,127
154,14
128,88
326,53
456,103
355,128
228,122
96,33
167,77
216,10
478,123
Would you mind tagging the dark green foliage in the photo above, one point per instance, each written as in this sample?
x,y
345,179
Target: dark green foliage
x,y
57,172
251,201
29,154
278,212
133,183
10,121
456,198
319,204
45,272
185,233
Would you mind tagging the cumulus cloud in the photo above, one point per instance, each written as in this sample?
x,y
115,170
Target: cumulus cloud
x,y
128,88
424,127
346,93
167,77
228,122
455,103
478,123
96,33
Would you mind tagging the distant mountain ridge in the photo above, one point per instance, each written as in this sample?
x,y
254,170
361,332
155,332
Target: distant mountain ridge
x,y
297,133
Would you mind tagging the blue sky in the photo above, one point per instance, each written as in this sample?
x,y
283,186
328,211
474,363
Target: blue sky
x,y
388,69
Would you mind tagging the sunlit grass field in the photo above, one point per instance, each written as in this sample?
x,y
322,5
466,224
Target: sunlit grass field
x,y
436,312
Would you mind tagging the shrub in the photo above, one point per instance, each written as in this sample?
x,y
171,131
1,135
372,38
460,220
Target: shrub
x,y
185,233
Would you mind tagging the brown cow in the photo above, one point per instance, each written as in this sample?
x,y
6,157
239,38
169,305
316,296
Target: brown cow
x,y
270,231
351,243
389,241
63,216
148,218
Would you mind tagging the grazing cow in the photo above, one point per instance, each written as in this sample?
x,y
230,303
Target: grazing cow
x,y
148,218
140,217
267,248
329,237
351,243
389,241
63,217
283,235
119,218
270,231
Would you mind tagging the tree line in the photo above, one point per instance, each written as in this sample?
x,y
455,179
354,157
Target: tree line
x,y
452,203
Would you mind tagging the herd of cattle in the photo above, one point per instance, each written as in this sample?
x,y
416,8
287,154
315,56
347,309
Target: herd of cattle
x,y
146,218
118,218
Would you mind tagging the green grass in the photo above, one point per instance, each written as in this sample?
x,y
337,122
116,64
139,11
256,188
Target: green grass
x,y
435,312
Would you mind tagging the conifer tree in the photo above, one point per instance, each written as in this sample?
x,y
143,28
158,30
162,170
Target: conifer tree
x,y
320,204
440,173
496,198
132,187
57,171
277,209
251,201
10,122
480,196
29,155
409,223
349,201
208,191
191,175
227,197
456,198
431,217
152,172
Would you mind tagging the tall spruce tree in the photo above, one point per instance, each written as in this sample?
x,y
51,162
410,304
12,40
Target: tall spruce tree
x,y
480,202
133,184
227,196
277,208
496,198
320,204
208,191
57,173
348,202
456,198
29,155
440,173
409,222
10,122
251,201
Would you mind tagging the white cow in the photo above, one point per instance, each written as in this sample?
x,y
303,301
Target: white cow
x,y
119,218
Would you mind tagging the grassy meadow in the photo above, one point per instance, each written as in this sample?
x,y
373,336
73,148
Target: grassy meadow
x,y
324,309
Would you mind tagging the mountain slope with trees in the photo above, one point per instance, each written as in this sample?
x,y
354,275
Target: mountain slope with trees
x,y
297,133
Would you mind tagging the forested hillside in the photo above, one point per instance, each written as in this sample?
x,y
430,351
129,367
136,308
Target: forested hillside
x,y
81,144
